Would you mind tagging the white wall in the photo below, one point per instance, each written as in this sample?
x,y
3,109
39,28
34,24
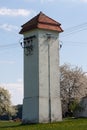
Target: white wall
x,y
41,79
31,82
49,87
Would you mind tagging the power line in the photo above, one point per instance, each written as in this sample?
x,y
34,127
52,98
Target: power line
x,y
8,46
78,42
77,26
73,43
73,32
67,32
75,29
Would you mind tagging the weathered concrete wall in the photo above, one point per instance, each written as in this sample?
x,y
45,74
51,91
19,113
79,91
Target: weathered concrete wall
x,y
31,82
49,86
41,79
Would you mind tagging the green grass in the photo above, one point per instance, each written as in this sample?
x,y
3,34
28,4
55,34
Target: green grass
x,y
68,124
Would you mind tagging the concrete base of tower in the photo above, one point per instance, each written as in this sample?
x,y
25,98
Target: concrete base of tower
x,y
37,110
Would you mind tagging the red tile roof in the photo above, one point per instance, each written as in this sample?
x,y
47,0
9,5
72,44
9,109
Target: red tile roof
x,y
41,21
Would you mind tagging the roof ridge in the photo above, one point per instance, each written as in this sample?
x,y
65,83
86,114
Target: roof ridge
x,y
49,18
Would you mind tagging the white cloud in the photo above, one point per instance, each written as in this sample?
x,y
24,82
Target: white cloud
x,y
8,27
16,91
42,1
46,1
29,0
6,62
76,1
15,12
19,80
83,0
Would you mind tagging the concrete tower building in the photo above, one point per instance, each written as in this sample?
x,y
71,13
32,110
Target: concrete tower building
x,y
41,101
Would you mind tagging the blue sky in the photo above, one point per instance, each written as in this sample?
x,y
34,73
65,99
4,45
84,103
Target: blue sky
x,y
72,14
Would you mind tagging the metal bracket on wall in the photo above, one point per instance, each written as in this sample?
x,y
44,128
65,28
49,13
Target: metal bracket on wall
x,y
27,45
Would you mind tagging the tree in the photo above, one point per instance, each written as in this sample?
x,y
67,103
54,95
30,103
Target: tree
x,y
73,83
19,112
6,107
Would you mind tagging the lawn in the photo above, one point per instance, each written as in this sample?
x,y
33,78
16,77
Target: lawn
x,y
68,124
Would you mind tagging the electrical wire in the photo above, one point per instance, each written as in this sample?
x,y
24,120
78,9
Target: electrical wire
x,y
67,32
78,42
75,29
11,45
77,26
74,43
74,32
8,45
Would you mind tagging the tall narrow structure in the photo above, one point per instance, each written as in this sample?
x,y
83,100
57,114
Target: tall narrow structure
x,y
41,101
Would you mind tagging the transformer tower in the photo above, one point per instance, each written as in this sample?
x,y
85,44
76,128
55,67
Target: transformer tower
x,y
41,101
